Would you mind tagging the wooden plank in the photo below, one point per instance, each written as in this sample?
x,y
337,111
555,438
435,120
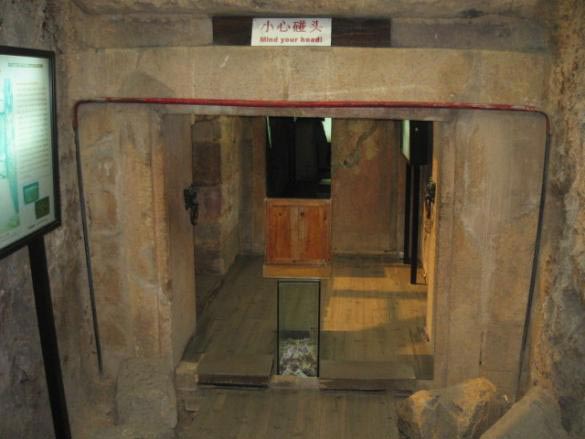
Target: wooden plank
x,y
314,233
237,370
279,239
232,31
366,370
357,32
302,413
296,271
346,32
300,202
366,375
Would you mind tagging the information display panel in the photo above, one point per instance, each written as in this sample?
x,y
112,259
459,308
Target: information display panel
x,y
29,183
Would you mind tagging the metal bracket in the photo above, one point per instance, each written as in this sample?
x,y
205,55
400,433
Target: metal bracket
x,y
191,204
430,193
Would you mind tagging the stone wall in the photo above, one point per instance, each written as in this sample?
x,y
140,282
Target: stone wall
x,y
240,73
442,76
558,339
89,67
253,211
217,173
366,8
368,177
23,397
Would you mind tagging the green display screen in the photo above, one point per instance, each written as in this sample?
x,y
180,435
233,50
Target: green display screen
x,y
28,198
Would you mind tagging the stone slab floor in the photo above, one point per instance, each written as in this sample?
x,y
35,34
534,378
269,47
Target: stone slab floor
x,y
225,413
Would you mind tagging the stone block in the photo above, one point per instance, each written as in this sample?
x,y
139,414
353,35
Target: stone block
x,y
573,414
109,283
128,31
208,236
506,381
501,33
145,394
145,309
186,376
114,335
206,129
209,261
536,416
230,248
206,163
210,203
232,186
501,343
462,411
100,165
133,432
103,210
231,146
374,8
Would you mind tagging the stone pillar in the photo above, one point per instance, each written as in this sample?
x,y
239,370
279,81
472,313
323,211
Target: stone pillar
x,y
135,164
489,193
217,173
117,166
252,212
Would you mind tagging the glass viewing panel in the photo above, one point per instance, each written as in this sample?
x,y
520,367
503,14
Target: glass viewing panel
x,y
298,328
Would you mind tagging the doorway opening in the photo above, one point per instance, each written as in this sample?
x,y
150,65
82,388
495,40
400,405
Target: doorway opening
x,y
302,192
298,157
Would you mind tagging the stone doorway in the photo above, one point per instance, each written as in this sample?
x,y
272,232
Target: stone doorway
x,y
489,180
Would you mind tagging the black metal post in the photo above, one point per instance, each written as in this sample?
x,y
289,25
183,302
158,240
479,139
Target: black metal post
x,y
407,201
48,336
319,331
278,327
415,220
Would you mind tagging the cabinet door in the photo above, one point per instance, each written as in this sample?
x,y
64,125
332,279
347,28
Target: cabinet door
x,y
313,234
298,231
279,244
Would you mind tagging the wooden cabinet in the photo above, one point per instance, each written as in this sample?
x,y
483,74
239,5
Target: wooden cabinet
x,y
298,231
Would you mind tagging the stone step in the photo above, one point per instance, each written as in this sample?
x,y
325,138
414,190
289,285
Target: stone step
x,y
366,375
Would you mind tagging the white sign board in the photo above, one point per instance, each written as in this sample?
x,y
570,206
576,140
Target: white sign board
x,y
27,179
291,32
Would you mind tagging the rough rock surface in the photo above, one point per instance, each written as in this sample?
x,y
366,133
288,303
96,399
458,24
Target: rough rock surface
x,y
368,8
134,432
574,414
536,416
146,394
464,411
24,402
558,352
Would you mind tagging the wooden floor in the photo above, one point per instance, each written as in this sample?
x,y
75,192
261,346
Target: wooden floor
x,y
275,414
369,312
241,319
